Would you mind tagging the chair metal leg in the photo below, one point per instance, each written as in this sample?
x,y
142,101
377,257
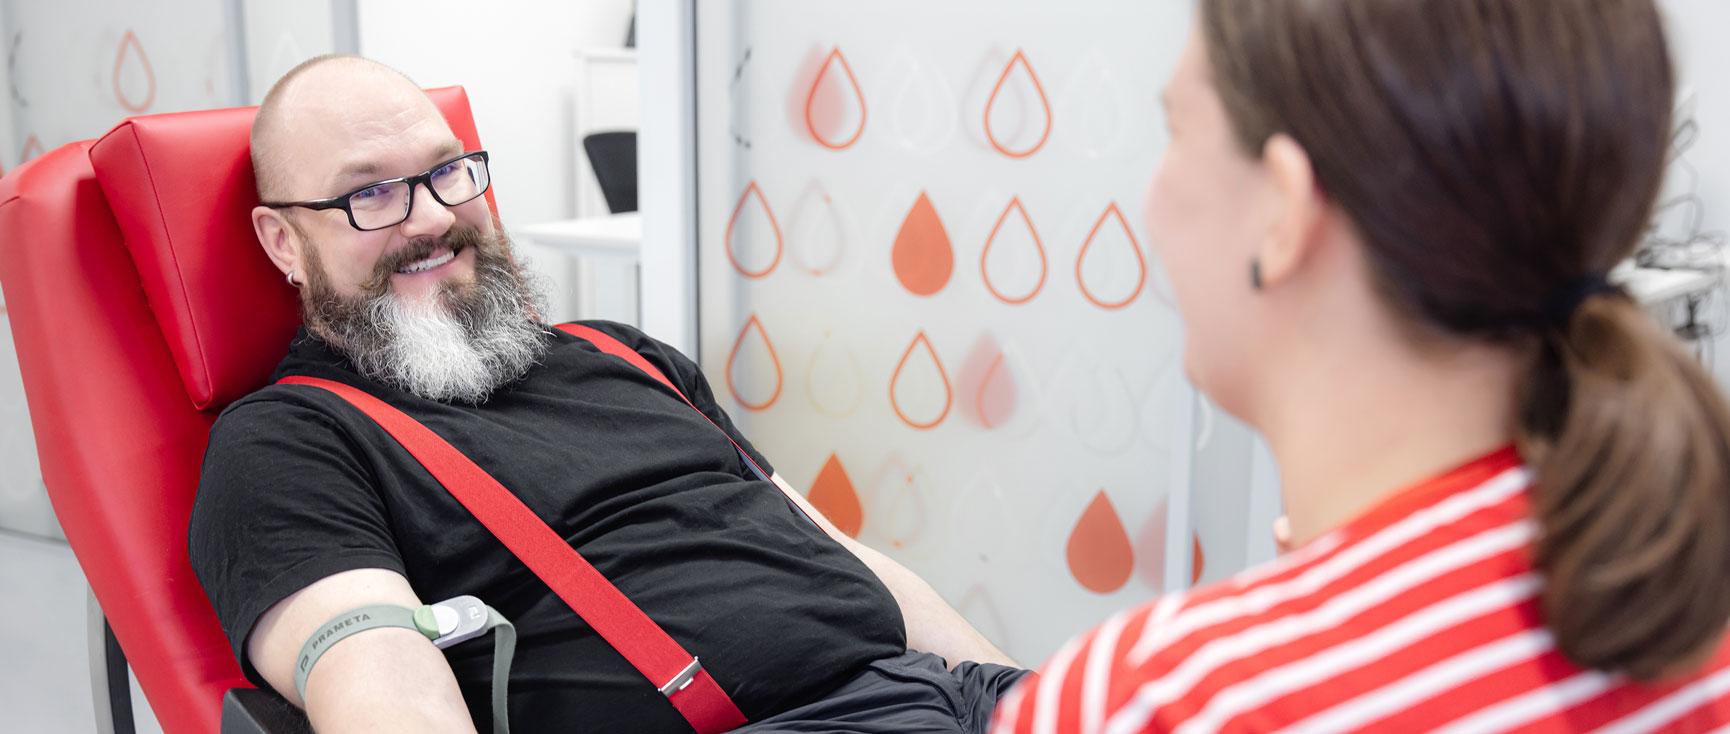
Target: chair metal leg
x,y
109,681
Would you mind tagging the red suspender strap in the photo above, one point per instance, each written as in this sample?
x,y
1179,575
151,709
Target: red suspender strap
x,y
642,642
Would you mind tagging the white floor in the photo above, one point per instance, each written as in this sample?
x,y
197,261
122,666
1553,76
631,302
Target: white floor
x,y
44,671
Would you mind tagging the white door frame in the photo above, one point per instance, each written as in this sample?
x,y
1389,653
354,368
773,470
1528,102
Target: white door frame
x,y
667,169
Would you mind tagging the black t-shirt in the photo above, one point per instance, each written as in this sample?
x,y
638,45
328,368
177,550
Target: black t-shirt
x,y
298,485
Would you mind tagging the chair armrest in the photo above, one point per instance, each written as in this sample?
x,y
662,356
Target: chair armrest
x,y
254,711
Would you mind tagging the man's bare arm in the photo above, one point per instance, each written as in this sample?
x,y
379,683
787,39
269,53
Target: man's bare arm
x,y
382,680
932,625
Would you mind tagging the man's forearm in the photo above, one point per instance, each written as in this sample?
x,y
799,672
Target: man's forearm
x,y
379,680
932,625
385,680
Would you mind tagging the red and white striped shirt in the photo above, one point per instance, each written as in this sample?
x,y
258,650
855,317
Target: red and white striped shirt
x,y
1421,615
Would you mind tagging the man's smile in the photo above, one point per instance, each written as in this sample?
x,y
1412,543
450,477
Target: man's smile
x,y
442,256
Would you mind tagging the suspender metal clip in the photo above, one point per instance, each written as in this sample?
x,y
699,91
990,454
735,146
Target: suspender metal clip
x,y
683,679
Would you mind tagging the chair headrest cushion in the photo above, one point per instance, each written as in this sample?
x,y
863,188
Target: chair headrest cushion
x,y
182,191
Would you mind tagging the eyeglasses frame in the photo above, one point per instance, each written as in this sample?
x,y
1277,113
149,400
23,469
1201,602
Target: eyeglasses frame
x,y
341,201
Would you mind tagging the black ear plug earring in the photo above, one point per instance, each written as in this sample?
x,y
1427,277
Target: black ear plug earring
x,y
1255,274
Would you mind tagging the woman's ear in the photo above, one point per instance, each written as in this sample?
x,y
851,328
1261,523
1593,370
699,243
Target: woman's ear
x,y
1299,209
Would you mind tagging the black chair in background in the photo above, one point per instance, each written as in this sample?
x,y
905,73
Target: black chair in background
x,y
613,156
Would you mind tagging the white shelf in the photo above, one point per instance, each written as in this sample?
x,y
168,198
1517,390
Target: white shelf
x,y
1654,286
603,257
615,237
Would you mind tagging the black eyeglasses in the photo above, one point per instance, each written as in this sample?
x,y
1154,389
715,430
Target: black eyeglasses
x,y
387,203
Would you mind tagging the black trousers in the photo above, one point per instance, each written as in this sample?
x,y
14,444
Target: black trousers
x,y
913,693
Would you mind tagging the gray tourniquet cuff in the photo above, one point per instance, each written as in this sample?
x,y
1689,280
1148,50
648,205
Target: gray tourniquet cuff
x,y
420,620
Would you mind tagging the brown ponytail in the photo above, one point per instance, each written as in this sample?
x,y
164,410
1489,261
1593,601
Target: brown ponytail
x,y
1628,435
1492,153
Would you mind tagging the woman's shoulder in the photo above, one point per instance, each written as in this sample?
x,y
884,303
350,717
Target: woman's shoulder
x,y
1336,619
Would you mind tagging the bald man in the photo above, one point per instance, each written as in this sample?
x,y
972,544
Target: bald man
x,y
307,509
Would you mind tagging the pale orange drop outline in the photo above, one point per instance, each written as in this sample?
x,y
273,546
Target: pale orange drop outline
x,y
1045,103
734,220
30,142
774,358
991,241
149,74
908,490
811,125
948,390
858,374
1134,246
841,244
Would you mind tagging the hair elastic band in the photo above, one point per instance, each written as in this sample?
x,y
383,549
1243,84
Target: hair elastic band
x,y
1559,308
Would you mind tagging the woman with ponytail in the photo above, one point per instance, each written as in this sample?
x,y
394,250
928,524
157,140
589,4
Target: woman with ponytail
x,y
1390,225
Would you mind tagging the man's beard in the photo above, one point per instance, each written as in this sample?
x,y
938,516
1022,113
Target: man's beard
x,y
460,344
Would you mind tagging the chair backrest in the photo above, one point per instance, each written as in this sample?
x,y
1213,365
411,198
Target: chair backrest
x,y
141,305
613,155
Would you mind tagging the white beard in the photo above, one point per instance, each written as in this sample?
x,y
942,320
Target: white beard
x,y
455,345
427,351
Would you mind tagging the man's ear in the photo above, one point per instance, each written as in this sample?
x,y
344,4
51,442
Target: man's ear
x,y
277,238
1300,208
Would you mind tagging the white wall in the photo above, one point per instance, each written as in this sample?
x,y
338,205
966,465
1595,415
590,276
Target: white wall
x,y
72,70
1696,28
281,35
79,67
23,501
9,141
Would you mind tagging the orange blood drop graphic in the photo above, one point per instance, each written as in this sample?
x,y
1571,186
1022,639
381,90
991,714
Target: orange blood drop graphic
x,y
1099,551
923,256
833,494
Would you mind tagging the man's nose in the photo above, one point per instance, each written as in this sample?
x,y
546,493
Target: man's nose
x,y
426,216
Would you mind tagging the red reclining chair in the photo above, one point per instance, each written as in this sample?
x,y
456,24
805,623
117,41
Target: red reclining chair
x,y
141,305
